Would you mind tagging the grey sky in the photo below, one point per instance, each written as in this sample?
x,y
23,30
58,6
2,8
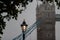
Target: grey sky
x,y
13,27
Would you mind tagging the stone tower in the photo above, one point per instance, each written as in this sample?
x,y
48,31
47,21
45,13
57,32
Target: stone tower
x,y
46,30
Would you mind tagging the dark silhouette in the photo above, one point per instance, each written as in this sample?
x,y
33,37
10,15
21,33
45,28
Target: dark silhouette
x,y
12,12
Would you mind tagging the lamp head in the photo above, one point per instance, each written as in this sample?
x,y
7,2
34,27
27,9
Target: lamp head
x,y
24,26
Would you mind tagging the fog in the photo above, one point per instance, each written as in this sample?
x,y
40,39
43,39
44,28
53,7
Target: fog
x,y
13,27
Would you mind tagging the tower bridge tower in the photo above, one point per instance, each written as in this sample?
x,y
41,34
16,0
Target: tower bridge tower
x,y
46,30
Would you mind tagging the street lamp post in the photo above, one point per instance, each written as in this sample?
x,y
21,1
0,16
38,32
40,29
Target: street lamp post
x,y
24,28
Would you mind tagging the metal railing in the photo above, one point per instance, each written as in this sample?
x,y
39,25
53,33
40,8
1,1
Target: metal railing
x,y
33,27
30,29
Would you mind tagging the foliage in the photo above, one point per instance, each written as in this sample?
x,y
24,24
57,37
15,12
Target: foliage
x,y
57,2
9,6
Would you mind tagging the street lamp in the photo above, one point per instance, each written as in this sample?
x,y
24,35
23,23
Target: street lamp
x,y
24,28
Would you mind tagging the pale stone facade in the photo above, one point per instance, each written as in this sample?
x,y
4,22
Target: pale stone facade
x,y
46,30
